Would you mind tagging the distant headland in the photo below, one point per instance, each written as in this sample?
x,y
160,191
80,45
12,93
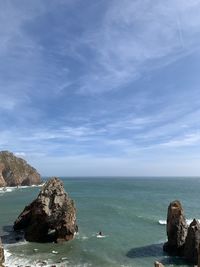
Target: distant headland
x,y
15,171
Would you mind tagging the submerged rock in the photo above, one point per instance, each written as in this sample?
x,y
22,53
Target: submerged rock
x,y
2,259
176,229
51,217
15,171
192,242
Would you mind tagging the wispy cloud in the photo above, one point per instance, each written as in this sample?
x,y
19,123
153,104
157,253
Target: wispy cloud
x,y
137,36
109,81
187,140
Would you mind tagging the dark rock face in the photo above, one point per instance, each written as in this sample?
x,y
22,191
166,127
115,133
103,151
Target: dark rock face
x,y
15,171
192,242
176,229
51,217
1,254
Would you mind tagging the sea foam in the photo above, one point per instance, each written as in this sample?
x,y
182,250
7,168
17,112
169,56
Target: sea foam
x,y
164,222
12,260
8,189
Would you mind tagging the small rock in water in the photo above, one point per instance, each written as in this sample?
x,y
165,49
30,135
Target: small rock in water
x,y
35,249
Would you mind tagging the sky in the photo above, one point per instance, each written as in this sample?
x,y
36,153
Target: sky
x,y
101,87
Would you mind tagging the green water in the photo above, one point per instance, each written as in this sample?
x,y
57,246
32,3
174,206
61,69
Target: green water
x,y
126,210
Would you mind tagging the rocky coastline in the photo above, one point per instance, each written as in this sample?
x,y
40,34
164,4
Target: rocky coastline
x,y
51,217
15,171
2,258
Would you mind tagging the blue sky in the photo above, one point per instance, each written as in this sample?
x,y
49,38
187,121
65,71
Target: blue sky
x,y
101,87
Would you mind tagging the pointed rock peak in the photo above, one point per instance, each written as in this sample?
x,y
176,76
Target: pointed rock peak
x,y
195,223
176,207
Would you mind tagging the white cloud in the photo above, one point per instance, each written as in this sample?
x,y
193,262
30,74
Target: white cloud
x,y
187,140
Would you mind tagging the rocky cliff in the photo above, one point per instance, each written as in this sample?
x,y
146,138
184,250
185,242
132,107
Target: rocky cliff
x,y
15,171
176,229
182,240
192,242
51,217
1,254
2,181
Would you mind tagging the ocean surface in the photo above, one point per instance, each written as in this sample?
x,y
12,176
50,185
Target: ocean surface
x,y
131,213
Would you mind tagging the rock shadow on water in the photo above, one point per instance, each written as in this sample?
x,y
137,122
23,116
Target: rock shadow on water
x,y
9,236
155,251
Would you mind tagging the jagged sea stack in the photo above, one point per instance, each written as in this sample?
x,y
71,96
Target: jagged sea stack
x,y
176,229
51,217
192,242
15,171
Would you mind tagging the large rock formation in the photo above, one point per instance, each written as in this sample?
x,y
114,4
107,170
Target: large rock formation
x,y
199,256
176,229
51,217
192,242
15,171
1,254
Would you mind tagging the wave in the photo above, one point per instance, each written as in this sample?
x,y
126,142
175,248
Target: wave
x,y
12,260
8,189
164,222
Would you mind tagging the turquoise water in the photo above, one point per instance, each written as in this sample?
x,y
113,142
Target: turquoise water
x,y
126,210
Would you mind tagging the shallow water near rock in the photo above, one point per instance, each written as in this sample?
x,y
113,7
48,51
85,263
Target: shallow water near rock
x,y
130,212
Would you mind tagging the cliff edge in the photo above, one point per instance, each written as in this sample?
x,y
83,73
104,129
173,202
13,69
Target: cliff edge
x,y
15,171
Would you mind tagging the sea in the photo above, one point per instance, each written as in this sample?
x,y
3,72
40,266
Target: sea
x,y
130,212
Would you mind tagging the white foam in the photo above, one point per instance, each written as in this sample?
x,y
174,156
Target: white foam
x,y
101,236
8,189
54,252
164,222
84,237
12,260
